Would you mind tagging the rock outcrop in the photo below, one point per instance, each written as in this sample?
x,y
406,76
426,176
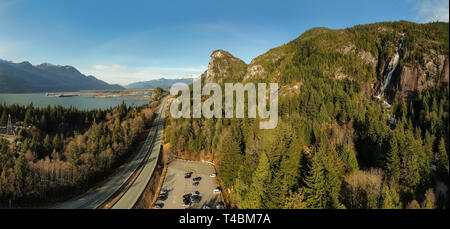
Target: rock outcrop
x,y
224,67
363,54
411,79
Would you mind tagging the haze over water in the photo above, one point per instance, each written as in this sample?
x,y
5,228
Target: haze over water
x,y
79,102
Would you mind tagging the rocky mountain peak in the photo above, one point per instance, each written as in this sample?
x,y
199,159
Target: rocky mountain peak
x,y
224,67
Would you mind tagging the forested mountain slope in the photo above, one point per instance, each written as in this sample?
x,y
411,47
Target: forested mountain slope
x,y
336,145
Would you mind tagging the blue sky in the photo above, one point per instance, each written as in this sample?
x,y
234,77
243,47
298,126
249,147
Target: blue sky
x,y
128,41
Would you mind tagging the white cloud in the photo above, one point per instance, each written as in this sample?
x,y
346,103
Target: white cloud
x,y
112,68
432,10
124,75
6,49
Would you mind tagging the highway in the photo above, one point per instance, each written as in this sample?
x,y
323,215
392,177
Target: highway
x,y
134,192
101,194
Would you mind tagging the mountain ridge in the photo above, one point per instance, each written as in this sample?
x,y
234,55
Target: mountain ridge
x,y
361,53
161,82
23,77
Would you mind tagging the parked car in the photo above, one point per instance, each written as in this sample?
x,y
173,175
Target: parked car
x,y
197,179
187,175
196,183
212,175
187,196
195,193
162,197
187,202
196,199
217,190
159,205
220,205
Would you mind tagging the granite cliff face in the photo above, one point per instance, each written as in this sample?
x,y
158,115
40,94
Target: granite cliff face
x,y
410,79
224,67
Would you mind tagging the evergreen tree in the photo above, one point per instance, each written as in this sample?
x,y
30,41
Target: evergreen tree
x,y
332,168
21,169
295,200
47,146
28,118
74,156
261,178
348,157
442,155
430,200
390,198
428,145
315,184
56,143
230,159
392,165
4,119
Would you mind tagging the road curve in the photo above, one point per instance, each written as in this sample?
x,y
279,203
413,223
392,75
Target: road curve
x,y
99,195
134,192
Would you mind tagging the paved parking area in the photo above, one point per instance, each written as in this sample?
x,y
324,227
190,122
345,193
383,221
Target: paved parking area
x,y
177,185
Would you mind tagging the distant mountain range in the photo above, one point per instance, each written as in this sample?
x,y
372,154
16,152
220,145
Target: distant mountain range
x,y
162,83
27,78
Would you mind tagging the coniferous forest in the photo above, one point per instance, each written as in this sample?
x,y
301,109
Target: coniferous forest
x,y
64,151
336,146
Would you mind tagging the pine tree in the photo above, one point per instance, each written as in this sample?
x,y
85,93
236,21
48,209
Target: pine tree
x,y
43,123
74,156
56,143
392,165
230,159
261,178
348,157
243,185
4,157
28,118
333,168
295,200
21,169
315,184
430,200
4,119
442,154
410,166
47,146
390,198
290,165
428,145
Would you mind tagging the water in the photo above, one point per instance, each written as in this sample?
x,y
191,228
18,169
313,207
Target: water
x,y
393,63
80,102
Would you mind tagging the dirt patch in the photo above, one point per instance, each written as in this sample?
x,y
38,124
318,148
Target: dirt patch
x,y
202,156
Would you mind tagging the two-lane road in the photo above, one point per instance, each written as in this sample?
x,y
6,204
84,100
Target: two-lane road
x,y
132,195
101,194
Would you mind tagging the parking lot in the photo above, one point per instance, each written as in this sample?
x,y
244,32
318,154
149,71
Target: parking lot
x,y
178,182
